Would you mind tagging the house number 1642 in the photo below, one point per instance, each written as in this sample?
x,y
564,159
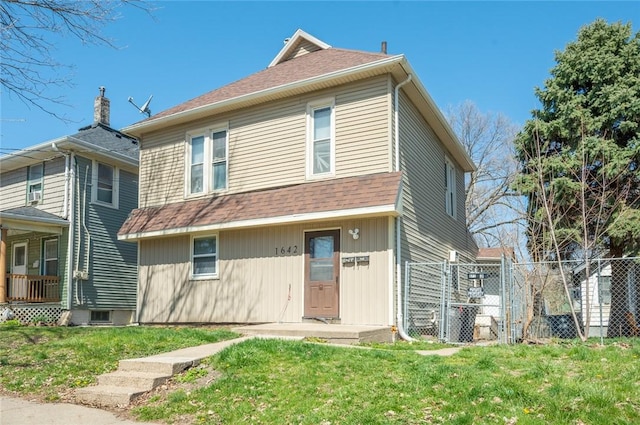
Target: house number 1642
x,y
283,250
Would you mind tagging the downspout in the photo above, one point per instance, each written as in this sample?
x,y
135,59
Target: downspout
x,y
70,274
87,244
399,320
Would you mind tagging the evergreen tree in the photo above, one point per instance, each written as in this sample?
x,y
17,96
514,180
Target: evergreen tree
x,y
580,157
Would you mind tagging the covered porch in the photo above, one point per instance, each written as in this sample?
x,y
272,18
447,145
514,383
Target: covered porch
x,y
32,253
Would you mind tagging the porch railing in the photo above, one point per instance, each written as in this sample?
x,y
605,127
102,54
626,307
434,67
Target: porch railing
x,y
33,288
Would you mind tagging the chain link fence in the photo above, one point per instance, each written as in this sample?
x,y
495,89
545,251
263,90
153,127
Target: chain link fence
x,y
463,303
508,302
583,299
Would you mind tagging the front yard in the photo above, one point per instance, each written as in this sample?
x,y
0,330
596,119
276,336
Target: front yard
x,y
282,382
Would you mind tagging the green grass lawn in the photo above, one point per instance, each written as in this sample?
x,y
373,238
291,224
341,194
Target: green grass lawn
x,y
51,361
288,382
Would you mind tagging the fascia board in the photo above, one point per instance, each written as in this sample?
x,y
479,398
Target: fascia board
x,y
381,210
8,218
138,128
45,151
30,155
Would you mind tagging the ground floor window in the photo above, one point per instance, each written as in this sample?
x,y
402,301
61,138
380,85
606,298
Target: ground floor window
x,y
100,316
50,256
204,257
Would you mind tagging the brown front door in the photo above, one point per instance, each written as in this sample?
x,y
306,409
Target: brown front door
x,y
322,274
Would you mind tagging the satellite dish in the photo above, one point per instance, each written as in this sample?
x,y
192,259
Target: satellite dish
x,y
144,109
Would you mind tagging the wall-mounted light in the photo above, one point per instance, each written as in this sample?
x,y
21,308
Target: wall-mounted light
x,y
355,233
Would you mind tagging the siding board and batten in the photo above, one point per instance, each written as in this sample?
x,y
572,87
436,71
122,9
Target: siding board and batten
x,y
253,285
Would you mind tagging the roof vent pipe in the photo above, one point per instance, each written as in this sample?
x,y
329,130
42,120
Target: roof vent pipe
x,y
383,47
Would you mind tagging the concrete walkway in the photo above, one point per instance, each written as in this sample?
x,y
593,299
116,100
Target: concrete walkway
x,y
15,411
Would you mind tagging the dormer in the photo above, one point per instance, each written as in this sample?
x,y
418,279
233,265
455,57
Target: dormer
x,y
299,44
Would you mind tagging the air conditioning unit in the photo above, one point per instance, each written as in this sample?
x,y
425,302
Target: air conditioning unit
x,y
35,196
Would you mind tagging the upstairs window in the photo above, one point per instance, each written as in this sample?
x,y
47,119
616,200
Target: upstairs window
x,y
320,138
450,188
207,175
34,185
105,184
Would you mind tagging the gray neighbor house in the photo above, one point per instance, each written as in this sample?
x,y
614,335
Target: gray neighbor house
x,y
62,203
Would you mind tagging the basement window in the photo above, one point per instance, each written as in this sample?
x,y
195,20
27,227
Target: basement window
x,y
100,316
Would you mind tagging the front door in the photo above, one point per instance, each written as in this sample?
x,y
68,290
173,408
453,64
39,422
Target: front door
x,y
322,274
19,262
18,285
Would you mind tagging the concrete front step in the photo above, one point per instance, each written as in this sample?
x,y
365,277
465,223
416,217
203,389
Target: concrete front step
x,y
107,395
130,379
161,365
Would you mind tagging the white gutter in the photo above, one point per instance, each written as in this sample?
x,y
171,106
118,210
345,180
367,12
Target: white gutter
x,y
380,210
399,320
72,176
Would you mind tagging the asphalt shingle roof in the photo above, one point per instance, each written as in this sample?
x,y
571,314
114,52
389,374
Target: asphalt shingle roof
x,y
106,137
307,66
322,196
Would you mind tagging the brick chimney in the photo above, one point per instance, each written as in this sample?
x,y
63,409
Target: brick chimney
x,y
101,108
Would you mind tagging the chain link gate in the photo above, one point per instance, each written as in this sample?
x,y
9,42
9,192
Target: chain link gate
x,y
462,303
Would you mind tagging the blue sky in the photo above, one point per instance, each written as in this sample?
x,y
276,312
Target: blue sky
x,y
492,53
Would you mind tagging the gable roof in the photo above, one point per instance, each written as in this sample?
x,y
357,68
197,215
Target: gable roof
x,y
294,43
302,69
99,140
293,74
373,194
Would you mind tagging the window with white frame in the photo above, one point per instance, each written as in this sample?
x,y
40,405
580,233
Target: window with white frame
x,y
321,138
34,186
204,257
605,289
104,184
50,256
207,175
450,188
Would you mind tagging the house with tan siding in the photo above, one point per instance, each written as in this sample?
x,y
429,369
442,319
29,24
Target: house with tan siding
x,y
296,193
62,204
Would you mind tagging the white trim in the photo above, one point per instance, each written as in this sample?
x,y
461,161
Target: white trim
x,y
311,108
210,276
294,218
15,245
450,188
293,41
44,240
207,160
115,191
392,268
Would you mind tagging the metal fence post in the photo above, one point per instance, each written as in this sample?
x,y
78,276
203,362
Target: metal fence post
x,y
444,322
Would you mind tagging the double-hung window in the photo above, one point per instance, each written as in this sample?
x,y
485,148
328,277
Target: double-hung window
x,y
204,257
105,184
50,257
34,187
321,139
207,168
450,188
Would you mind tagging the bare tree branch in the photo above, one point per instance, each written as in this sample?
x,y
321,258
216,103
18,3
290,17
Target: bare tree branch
x,y
28,68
